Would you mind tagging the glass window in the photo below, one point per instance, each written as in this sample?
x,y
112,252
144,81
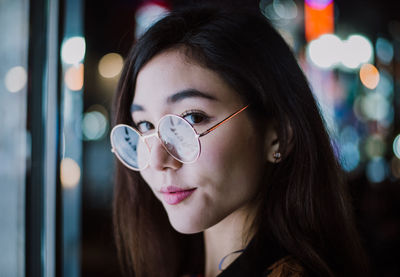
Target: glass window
x,y
14,149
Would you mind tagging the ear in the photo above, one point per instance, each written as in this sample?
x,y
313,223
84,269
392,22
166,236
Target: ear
x,y
272,146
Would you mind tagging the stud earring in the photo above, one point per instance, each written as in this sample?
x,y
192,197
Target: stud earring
x,y
277,156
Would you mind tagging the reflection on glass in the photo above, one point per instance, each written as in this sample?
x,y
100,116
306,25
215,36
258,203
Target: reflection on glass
x,y
14,16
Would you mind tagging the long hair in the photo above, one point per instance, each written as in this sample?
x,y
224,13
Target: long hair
x,y
303,203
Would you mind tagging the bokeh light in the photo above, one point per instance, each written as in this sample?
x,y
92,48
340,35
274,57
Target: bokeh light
x,y
324,52
328,51
356,50
318,18
70,173
385,85
375,146
384,50
267,8
318,4
396,146
95,123
375,106
349,135
74,77
349,148
148,14
377,170
369,76
285,9
350,156
73,50
110,65
15,79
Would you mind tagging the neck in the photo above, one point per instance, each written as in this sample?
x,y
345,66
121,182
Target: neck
x,y
229,235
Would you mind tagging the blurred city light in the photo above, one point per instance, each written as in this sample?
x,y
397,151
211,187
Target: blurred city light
x,y
318,4
282,13
384,50
15,79
318,18
74,77
73,50
325,51
148,14
70,173
94,123
375,106
268,10
375,146
396,146
385,85
110,65
356,50
328,51
349,148
377,170
285,9
369,76
350,156
349,135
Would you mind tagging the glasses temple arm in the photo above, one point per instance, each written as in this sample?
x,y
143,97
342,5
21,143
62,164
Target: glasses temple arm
x,y
223,121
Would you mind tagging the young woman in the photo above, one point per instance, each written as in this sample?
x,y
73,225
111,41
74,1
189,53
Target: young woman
x,y
225,164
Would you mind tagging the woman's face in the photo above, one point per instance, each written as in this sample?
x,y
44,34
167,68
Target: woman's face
x,y
224,179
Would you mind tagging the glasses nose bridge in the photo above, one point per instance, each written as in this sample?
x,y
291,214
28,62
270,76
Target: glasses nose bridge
x,y
149,137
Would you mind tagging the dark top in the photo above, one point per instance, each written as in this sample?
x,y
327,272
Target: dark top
x,y
263,260
255,260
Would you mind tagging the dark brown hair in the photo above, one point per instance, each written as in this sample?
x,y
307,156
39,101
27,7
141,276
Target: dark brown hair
x,y
303,204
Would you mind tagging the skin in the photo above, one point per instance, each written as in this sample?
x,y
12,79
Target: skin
x,y
233,156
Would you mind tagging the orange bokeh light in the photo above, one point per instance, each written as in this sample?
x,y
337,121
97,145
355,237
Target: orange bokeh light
x,y
74,77
369,76
318,21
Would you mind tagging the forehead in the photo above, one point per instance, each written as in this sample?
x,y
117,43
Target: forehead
x,y
171,72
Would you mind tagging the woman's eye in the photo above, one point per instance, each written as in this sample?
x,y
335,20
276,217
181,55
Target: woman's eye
x,y
144,126
195,117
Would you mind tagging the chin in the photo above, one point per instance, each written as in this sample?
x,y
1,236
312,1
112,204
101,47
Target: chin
x,y
187,229
186,224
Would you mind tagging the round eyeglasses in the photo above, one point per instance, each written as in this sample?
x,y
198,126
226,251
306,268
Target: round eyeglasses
x,y
177,135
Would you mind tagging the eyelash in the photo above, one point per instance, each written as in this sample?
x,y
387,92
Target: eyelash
x,y
205,119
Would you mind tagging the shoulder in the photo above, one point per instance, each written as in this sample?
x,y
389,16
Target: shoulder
x,y
286,267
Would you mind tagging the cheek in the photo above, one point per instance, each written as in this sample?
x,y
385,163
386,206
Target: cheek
x,y
233,160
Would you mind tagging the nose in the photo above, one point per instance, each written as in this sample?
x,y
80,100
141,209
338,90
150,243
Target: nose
x,y
160,159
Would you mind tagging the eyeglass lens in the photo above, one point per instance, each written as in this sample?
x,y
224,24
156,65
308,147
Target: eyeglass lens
x,y
179,138
129,147
176,134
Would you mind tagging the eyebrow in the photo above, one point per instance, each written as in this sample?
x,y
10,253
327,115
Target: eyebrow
x,y
179,96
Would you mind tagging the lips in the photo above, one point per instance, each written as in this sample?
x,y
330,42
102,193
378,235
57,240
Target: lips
x,y
174,195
